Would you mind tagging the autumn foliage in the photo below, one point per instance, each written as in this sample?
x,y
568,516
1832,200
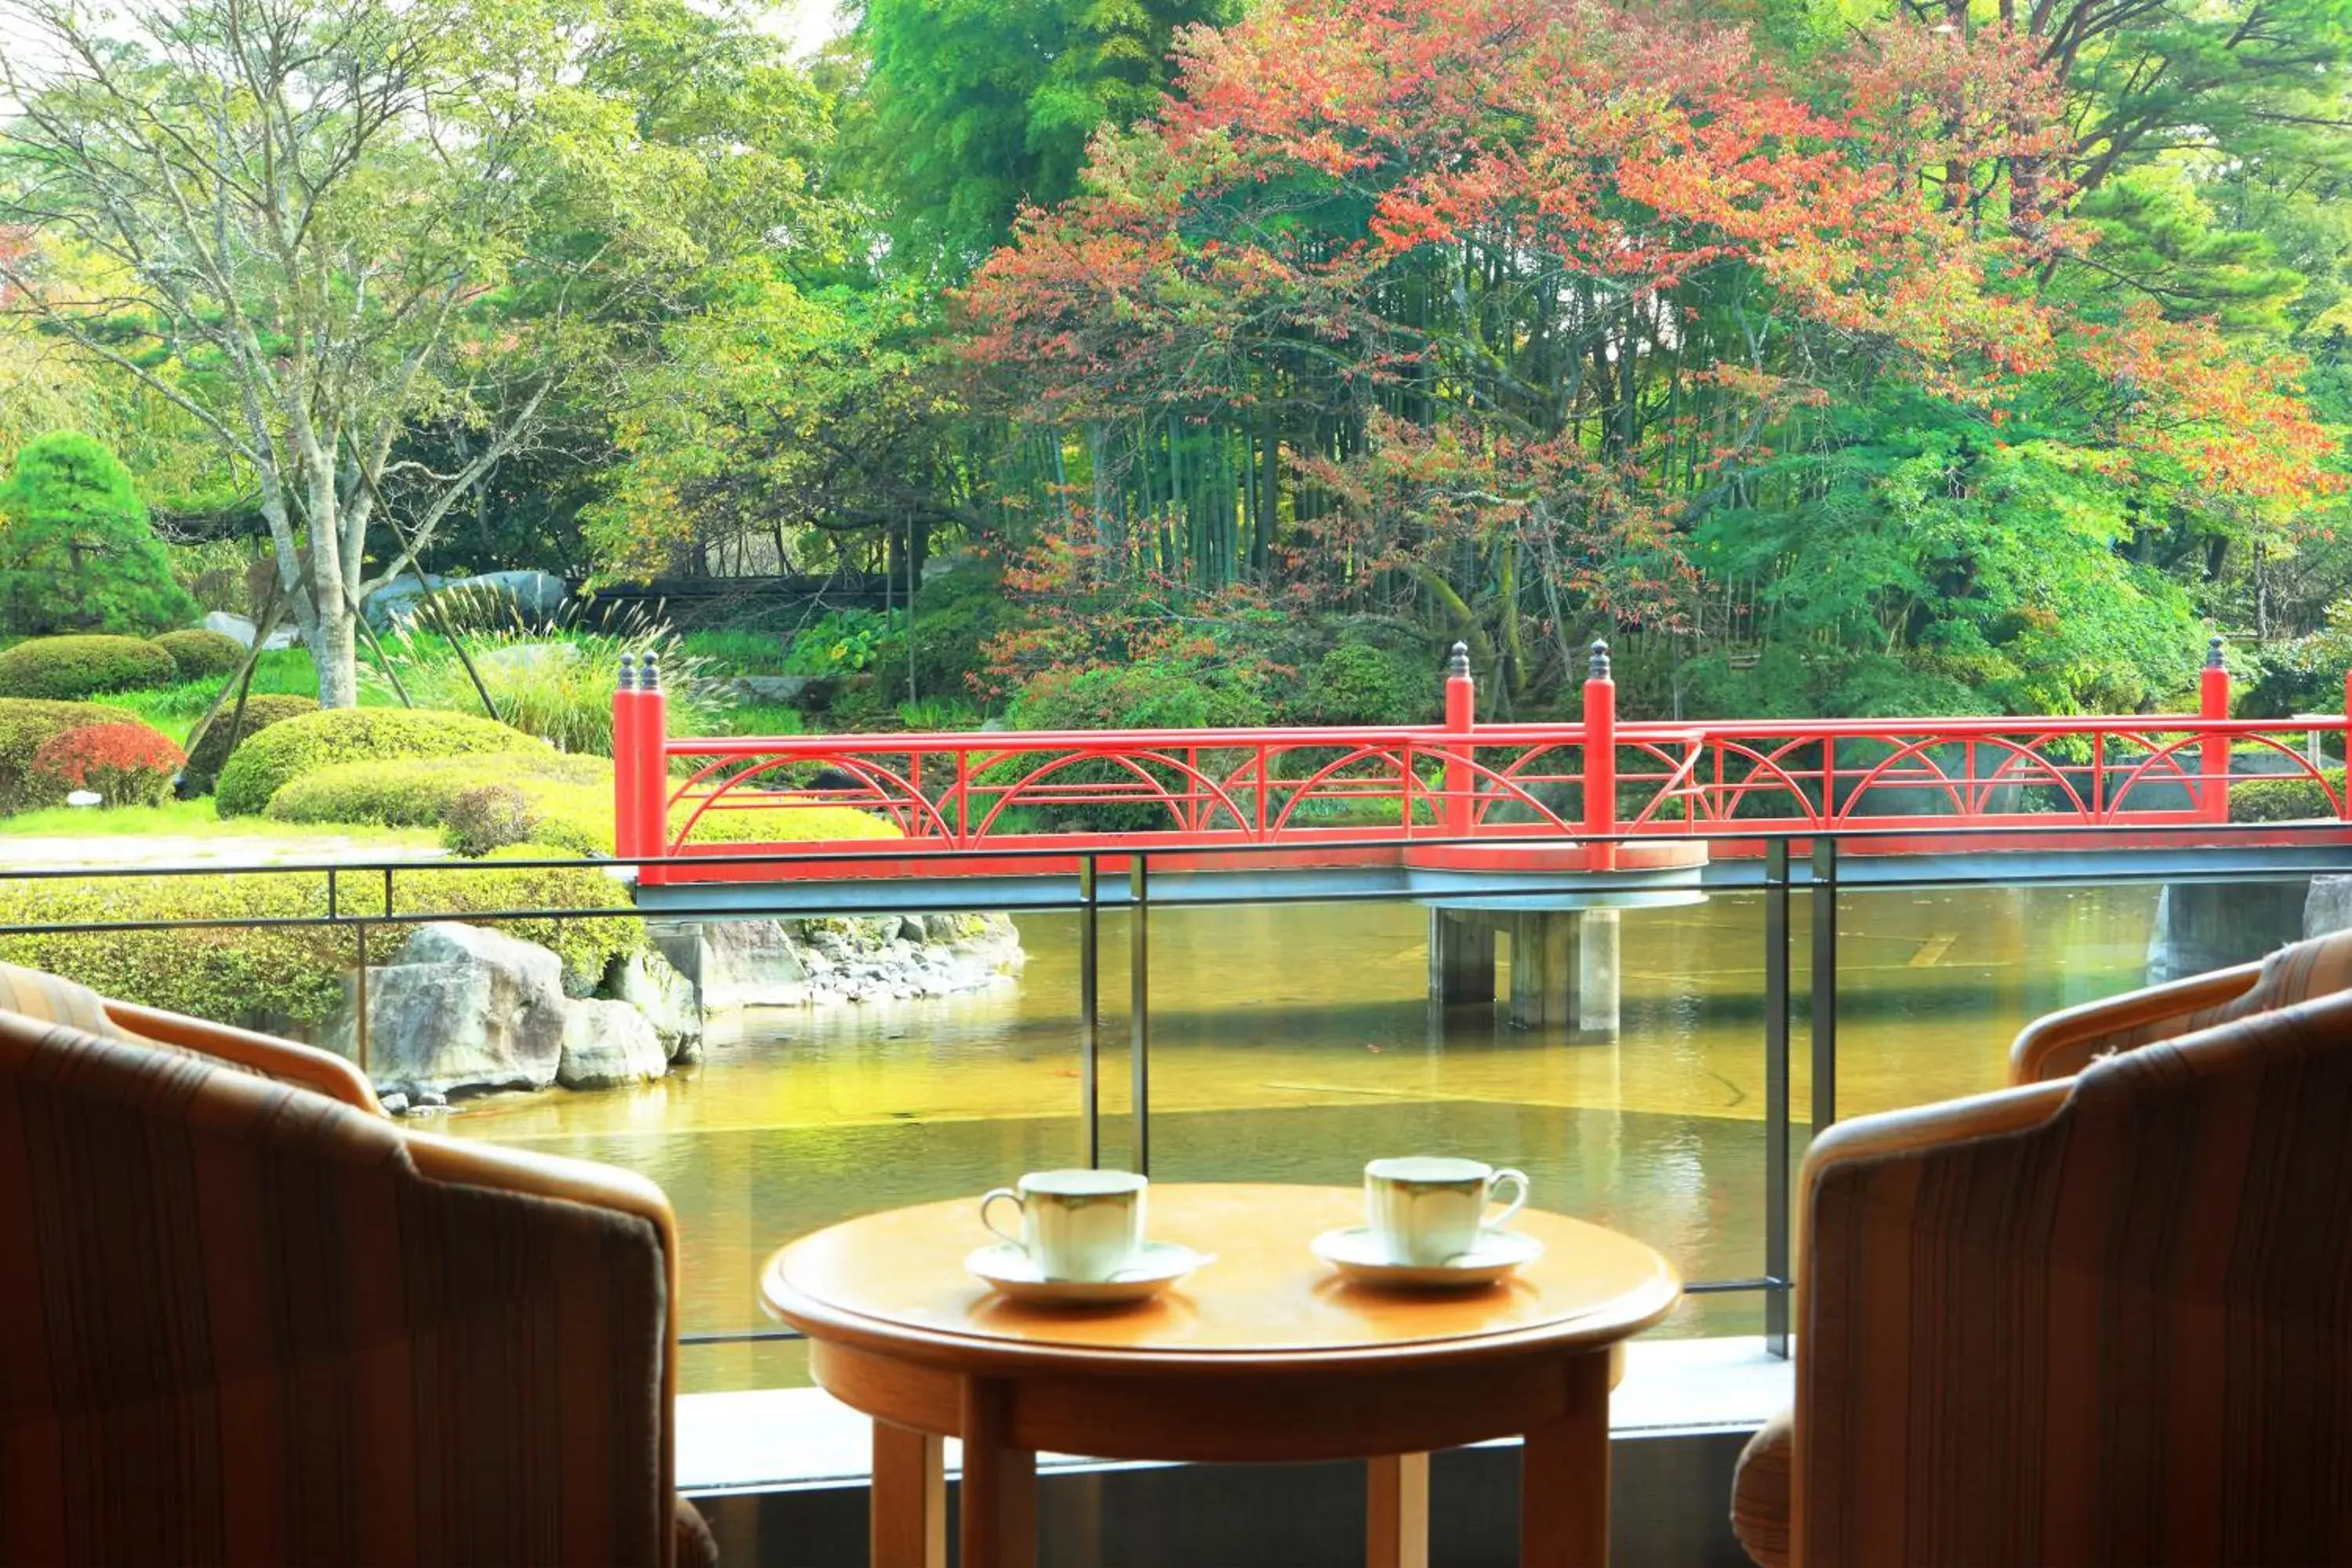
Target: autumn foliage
x,y
124,765
1517,292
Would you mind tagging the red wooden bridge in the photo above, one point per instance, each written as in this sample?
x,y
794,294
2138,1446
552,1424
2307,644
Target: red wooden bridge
x,y
1481,800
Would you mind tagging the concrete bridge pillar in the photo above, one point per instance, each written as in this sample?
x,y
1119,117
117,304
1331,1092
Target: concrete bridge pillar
x,y
1564,971
1564,966
1461,958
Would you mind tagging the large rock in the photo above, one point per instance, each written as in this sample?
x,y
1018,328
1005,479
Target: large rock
x,y
647,982
791,963
606,1043
2204,926
2329,907
243,630
780,690
536,597
463,1010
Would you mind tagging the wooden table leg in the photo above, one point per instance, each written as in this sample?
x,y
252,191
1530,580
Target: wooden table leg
x,y
999,1500
910,1499
1564,1477
1396,1516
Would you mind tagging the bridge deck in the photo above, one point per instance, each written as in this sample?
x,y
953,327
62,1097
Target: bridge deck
x,y
1017,891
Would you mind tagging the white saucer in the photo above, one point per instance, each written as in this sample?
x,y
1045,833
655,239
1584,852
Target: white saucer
x,y
1157,1265
1355,1252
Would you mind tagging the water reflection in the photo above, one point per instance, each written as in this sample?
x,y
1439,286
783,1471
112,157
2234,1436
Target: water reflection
x,y
1292,1043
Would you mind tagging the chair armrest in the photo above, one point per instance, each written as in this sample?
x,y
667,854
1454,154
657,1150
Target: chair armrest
x,y
2064,1043
469,1162
305,1067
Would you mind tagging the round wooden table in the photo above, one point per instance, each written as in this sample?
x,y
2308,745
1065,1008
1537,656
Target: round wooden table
x,y
1267,1354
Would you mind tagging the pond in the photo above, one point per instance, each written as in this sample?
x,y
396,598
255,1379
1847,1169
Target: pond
x,y
1293,1043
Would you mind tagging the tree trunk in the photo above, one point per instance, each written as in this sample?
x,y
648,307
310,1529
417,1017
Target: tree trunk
x,y
333,642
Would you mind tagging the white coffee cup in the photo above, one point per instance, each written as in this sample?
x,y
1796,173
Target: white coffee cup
x,y
1075,1225
1428,1209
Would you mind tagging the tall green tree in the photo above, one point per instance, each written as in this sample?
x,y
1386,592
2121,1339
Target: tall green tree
x,y
980,106
77,550
315,229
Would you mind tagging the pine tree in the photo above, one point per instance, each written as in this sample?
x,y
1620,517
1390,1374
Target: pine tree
x,y
77,550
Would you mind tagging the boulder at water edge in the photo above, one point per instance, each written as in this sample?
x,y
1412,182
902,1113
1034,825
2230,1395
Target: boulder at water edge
x,y
606,1043
465,1009
646,982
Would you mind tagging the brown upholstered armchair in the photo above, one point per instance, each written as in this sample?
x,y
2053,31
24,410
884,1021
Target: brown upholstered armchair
x,y
2103,1317
246,1318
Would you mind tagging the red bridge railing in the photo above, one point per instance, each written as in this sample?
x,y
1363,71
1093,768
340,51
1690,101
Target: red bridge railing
x,y
1457,793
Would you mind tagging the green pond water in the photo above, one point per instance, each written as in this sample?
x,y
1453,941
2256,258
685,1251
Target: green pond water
x,y
1293,1043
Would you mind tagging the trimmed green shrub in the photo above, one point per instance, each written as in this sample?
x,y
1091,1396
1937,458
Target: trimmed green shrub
x,y
200,655
290,976
2285,800
124,763
1355,683
65,669
1156,694
211,749
77,552
417,792
287,751
25,726
571,796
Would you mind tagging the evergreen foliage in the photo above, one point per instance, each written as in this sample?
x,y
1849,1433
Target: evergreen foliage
x,y
77,550
65,668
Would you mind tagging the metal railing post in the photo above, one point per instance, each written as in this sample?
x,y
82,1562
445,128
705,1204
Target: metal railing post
x,y
1139,1004
1461,718
2344,748
1090,1007
2214,702
1777,1135
1824,984
1600,762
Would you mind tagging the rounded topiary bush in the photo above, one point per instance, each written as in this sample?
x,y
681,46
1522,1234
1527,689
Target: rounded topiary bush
x,y
25,726
1359,684
487,816
417,792
288,751
65,668
124,763
229,730
200,655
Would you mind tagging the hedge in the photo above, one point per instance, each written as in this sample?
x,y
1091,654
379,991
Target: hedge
x,y
288,751
572,796
262,708
289,976
416,791
2285,800
66,669
201,655
25,726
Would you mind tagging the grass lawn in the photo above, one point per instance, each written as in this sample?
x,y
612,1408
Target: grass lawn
x,y
191,819
174,710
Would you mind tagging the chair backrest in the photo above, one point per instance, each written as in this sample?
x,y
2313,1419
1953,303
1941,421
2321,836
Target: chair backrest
x,y
238,1322
2299,972
2108,1322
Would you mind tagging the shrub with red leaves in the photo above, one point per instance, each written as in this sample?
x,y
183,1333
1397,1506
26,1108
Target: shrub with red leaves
x,y
125,763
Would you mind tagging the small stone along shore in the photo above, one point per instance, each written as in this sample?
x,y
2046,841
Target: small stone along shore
x,y
466,1010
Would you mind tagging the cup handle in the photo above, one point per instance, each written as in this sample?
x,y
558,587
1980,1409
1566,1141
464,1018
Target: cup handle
x,y
990,1198
1517,1179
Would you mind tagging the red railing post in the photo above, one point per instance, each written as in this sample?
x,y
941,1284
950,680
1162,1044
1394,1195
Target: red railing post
x,y
624,759
652,770
1600,761
1461,718
2344,747
2214,702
